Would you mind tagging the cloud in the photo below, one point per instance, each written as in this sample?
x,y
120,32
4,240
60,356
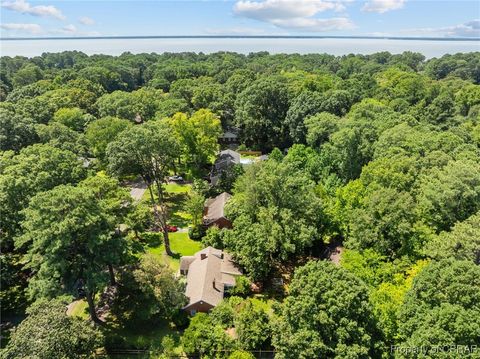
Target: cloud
x,y
69,29
382,6
315,25
33,29
236,31
24,7
295,14
467,29
84,20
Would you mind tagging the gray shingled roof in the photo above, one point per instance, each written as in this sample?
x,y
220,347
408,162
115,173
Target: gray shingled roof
x,y
214,207
207,277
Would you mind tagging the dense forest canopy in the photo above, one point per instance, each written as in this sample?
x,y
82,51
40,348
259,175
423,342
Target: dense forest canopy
x,y
377,153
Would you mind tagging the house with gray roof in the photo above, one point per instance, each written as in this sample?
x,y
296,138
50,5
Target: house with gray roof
x,y
210,273
214,211
225,160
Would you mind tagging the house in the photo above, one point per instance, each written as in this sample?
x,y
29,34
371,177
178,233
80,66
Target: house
x,y
210,274
225,160
214,211
229,138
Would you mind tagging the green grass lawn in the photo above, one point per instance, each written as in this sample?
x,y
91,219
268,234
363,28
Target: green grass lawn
x,y
181,245
176,196
142,337
178,188
79,309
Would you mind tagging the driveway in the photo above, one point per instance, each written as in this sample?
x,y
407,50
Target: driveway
x,y
137,189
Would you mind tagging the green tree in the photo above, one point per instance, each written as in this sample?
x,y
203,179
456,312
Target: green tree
x,y
128,105
462,242
150,292
276,215
101,132
194,207
441,308
327,314
68,232
260,112
28,74
198,137
206,338
450,194
60,136
48,332
252,325
35,169
73,118
149,151
319,128
16,131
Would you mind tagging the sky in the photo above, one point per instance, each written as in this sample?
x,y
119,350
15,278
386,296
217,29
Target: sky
x,y
403,18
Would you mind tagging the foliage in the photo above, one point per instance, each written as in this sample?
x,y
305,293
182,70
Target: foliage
x,y
149,151
101,132
327,313
48,332
260,113
69,235
198,136
205,338
242,287
462,242
275,215
150,292
441,308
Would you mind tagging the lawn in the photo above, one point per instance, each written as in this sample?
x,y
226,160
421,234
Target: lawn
x,y
176,196
181,245
141,337
79,308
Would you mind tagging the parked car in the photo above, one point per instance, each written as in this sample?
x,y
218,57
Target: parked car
x,y
175,178
171,228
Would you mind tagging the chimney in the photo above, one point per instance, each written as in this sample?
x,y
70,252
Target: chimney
x,y
214,287
203,256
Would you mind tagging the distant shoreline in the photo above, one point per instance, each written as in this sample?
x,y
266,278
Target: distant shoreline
x,y
243,37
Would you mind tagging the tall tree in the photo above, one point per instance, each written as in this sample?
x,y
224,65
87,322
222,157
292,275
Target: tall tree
x,y
148,150
441,308
68,232
48,332
327,314
198,137
35,169
260,111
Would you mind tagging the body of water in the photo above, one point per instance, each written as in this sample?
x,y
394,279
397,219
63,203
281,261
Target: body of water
x,y
334,46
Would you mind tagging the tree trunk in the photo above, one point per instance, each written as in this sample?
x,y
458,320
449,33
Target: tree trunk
x,y
163,215
155,209
112,275
91,308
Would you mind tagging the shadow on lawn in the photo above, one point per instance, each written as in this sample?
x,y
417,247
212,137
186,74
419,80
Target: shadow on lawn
x,y
121,335
176,205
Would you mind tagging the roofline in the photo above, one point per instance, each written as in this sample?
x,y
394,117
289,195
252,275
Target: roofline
x,y
198,301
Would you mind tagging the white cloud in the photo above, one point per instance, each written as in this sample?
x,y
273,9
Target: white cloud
x,y
33,29
467,29
284,9
295,14
382,6
24,7
84,20
69,29
315,25
236,31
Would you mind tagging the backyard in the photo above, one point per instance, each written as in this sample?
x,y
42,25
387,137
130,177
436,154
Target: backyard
x,y
119,336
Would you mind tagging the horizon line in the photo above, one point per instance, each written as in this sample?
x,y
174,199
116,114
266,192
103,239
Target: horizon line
x,y
242,37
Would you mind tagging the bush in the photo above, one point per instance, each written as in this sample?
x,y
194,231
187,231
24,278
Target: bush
x,y
196,232
242,287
